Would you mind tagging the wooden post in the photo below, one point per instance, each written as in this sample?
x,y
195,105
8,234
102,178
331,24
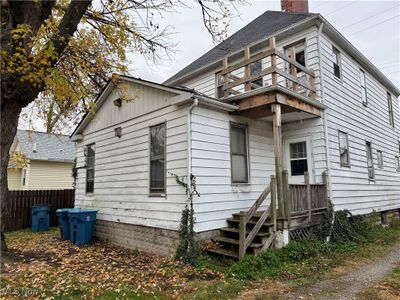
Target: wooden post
x,y
273,61
285,184
276,109
242,235
273,200
247,85
307,182
226,80
293,69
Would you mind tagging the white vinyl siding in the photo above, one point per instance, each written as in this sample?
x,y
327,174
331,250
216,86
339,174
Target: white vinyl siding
x,y
122,174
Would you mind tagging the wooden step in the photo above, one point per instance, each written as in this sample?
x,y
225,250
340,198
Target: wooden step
x,y
224,252
236,230
251,222
235,241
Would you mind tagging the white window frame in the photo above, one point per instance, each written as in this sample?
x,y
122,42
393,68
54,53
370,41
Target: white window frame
x,y
397,163
390,108
219,83
344,164
24,177
337,60
154,191
379,155
363,84
90,168
246,128
369,152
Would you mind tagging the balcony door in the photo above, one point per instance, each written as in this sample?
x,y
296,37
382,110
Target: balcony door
x,y
298,160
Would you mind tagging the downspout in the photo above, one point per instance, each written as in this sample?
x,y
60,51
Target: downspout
x,y
189,140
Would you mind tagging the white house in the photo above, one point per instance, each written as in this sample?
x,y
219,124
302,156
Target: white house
x,y
286,92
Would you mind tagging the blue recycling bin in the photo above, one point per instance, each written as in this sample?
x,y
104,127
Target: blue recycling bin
x,y
63,221
81,222
40,217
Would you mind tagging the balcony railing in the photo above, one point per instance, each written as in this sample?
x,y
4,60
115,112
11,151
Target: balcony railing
x,y
276,69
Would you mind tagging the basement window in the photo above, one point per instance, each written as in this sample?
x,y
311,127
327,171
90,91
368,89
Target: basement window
x,y
90,157
239,153
157,159
336,62
344,149
363,83
370,162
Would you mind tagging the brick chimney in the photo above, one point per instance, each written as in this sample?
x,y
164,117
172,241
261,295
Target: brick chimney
x,y
296,6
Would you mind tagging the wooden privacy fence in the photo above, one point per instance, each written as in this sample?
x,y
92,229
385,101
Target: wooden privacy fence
x,y
19,205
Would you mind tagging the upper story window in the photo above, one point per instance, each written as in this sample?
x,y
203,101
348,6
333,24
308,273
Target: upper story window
x,y
239,154
390,107
370,162
157,158
299,53
363,83
219,86
397,162
90,159
255,69
344,149
380,159
336,62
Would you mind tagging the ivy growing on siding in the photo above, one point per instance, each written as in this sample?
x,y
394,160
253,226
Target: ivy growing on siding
x,y
188,249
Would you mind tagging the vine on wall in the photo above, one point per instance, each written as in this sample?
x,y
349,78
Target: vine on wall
x,y
188,249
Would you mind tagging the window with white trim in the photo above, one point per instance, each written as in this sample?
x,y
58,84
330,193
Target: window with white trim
x,y
239,153
380,159
157,158
219,86
344,149
390,108
370,161
23,179
336,63
397,162
298,158
90,161
363,83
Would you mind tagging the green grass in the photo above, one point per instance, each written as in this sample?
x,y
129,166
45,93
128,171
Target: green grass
x,y
301,263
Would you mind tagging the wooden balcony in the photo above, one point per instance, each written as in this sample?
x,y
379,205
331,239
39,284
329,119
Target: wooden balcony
x,y
257,81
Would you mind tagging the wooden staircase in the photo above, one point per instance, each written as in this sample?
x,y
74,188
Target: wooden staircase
x,y
250,232
228,241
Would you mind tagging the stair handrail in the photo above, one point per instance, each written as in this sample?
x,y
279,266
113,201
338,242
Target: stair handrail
x,y
245,217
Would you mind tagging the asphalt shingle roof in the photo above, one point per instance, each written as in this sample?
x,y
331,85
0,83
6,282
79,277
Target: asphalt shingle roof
x,y
262,27
49,147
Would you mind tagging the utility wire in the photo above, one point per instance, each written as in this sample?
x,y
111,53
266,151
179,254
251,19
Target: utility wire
x,y
384,21
340,8
390,62
367,18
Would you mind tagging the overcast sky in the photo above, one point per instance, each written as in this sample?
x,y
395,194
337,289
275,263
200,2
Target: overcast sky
x,y
371,26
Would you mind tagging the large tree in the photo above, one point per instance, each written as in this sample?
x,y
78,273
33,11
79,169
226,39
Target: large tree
x,y
61,53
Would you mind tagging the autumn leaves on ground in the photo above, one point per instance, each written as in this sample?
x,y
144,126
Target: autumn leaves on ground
x,y
42,266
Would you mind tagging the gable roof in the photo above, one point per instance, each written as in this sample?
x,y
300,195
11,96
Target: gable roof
x,y
49,147
270,22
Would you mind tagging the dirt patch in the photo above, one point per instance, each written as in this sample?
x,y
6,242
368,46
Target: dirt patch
x,y
349,285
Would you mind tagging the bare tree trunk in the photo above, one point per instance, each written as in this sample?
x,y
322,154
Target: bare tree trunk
x,y
9,122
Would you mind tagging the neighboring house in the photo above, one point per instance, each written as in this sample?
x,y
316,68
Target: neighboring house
x,y
287,91
50,160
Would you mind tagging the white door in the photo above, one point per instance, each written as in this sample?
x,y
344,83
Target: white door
x,y
298,159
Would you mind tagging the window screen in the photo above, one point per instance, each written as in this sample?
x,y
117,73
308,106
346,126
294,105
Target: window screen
x,y
239,154
90,160
298,158
157,158
344,149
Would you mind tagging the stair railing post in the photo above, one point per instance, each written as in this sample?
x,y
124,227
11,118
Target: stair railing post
x,y
242,235
273,200
286,195
307,182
